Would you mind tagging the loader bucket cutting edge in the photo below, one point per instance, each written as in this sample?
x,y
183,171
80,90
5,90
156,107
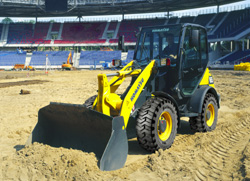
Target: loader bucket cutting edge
x,y
77,127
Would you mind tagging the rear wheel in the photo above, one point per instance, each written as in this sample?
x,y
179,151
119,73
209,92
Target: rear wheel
x,y
90,101
157,124
207,120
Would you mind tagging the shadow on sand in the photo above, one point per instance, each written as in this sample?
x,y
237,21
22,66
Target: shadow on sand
x,y
19,147
185,128
136,149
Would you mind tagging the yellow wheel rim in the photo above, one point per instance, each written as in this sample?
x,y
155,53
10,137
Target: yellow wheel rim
x,y
164,135
209,115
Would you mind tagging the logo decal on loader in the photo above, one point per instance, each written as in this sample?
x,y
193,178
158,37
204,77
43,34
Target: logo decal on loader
x,y
136,90
211,80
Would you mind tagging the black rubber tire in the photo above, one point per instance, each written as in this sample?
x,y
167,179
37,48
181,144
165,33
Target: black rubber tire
x,y
90,101
199,123
146,126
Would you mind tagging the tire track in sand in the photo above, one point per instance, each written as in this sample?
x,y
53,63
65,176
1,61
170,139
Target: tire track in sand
x,y
180,139
216,158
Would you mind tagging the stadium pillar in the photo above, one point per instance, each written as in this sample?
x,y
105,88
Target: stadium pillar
x,y
218,47
243,44
122,16
218,8
247,43
236,45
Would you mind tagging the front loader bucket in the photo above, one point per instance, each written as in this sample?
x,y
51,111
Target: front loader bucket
x,y
75,126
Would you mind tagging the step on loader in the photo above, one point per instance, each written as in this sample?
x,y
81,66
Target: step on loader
x,y
170,80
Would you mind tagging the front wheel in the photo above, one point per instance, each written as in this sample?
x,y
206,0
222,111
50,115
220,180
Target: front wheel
x,y
207,120
157,124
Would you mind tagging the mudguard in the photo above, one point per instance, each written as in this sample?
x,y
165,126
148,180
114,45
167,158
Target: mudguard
x,y
197,99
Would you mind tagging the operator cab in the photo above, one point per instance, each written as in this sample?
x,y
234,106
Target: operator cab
x,y
181,55
158,43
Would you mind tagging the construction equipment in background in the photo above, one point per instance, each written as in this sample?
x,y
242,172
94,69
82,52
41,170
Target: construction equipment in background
x,y
68,65
22,67
170,80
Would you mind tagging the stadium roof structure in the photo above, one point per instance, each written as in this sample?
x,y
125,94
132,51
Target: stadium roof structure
x,y
36,8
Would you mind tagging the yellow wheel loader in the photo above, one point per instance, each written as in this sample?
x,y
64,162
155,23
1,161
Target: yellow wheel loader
x,y
170,80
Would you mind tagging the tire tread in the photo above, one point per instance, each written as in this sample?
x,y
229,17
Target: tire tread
x,y
146,122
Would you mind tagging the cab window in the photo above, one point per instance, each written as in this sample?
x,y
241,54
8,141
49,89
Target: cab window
x,y
194,59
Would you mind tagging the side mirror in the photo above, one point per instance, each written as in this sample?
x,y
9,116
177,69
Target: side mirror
x,y
194,38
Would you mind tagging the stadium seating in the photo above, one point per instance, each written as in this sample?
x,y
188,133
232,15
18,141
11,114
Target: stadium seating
x,y
244,59
218,18
112,26
239,56
83,32
55,57
113,41
203,19
28,33
98,57
38,58
129,27
188,19
235,23
173,20
55,27
58,57
20,33
41,30
222,25
10,58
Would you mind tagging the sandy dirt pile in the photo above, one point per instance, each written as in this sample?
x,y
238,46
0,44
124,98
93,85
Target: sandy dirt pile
x,y
222,154
44,162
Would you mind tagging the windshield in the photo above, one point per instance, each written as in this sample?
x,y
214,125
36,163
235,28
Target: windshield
x,y
157,43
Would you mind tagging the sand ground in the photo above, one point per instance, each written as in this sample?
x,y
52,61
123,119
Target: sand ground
x,y
223,154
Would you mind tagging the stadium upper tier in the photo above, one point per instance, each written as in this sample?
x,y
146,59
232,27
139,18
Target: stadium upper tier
x,y
222,25
82,32
128,28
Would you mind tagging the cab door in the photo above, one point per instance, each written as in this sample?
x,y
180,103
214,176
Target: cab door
x,y
194,59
